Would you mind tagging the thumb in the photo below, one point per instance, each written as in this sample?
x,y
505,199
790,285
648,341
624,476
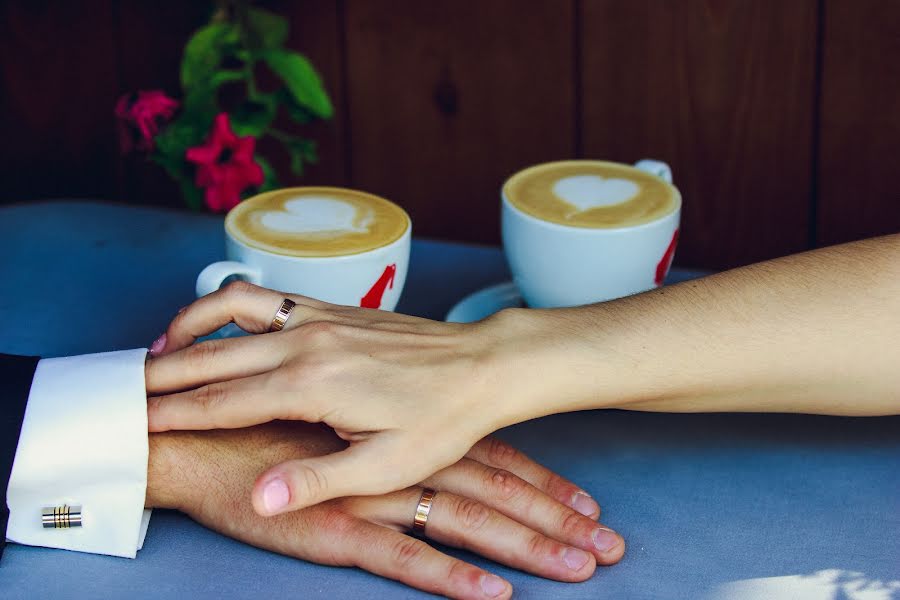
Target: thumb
x,y
360,470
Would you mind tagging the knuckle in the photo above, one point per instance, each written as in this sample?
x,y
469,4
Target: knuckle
x,y
505,485
289,373
339,529
200,357
538,545
309,483
336,522
316,370
238,288
470,515
501,453
235,293
179,319
320,331
458,571
407,553
558,487
209,397
571,522
349,505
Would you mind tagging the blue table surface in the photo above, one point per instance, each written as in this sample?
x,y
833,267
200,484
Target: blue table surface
x,y
705,502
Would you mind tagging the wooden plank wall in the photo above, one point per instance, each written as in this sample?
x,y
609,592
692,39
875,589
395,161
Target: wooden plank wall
x,y
781,120
859,148
723,92
58,75
448,97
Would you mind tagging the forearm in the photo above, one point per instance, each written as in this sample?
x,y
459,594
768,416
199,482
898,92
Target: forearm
x,y
816,332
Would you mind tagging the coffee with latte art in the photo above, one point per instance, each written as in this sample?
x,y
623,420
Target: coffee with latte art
x,y
591,194
316,222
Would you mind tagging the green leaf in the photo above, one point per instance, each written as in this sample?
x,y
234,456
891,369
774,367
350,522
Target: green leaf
x,y
296,162
225,75
204,52
310,153
172,144
301,151
253,117
301,80
297,113
176,138
269,29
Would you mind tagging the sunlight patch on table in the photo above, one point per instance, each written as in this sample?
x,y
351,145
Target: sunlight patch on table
x,y
823,585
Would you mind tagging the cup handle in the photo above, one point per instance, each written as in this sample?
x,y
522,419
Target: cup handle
x,y
210,279
655,167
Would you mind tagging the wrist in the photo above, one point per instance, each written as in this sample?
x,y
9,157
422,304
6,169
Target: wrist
x,y
581,358
549,361
165,485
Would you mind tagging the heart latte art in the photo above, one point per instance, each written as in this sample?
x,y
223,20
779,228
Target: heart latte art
x,y
317,222
314,215
586,193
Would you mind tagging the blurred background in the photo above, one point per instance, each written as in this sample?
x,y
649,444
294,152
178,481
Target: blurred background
x,y
780,118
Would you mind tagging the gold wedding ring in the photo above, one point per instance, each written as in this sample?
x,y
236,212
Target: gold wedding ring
x,y
422,510
283,314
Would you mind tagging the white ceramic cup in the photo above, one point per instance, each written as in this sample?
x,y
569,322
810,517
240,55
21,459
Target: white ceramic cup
x,y
557,265
371,279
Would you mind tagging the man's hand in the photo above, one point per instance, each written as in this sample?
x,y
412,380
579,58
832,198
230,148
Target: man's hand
x,y
495,502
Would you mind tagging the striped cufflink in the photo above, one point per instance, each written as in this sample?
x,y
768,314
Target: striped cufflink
x,y
61,517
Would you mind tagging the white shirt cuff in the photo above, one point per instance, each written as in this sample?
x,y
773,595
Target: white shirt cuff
x,y
84,442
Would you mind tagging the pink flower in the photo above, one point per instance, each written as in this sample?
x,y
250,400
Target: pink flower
x,y
140,116
225,165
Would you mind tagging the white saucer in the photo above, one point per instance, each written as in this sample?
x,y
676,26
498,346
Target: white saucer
x,y
484,303
487,301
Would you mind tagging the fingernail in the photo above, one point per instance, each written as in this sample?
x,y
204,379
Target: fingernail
x,y
492,585
605,539
584,504
158,345
574,558
276,495
181,310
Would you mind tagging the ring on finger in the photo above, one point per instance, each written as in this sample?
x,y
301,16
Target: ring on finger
x,y
283,314
423,509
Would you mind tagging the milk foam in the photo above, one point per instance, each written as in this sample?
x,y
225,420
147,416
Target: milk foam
x,y
316,221
317,215
585,192
590,193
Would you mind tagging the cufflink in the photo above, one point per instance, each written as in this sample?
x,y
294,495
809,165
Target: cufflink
x,y
61,517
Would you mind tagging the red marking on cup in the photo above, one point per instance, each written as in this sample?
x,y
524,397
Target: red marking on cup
x,y
372,299
666,261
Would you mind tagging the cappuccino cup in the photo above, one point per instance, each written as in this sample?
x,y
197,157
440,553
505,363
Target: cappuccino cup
x,y
583,231
337,245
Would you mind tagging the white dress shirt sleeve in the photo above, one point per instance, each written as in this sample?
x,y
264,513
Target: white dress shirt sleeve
x,y
84,442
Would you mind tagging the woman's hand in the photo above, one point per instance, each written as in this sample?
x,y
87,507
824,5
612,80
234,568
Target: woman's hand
x,y
410,395
814,332
513,515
